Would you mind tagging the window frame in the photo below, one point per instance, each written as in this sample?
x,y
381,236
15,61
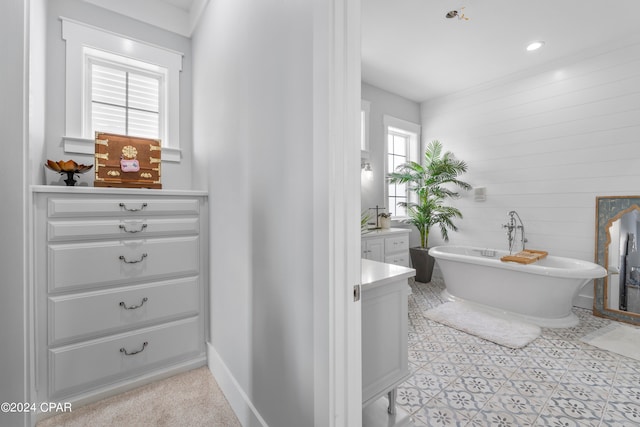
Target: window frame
x,y
83,41
414,149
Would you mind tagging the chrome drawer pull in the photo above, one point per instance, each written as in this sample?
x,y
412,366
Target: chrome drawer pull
x,y
124,206
124,227
122,258
126,353
133,307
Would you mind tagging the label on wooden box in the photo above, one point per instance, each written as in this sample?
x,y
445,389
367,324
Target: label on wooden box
x,y
127,161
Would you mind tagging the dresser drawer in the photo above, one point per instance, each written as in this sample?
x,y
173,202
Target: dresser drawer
x,y
88,365
60,230
396,244
93,264
89,314
87,206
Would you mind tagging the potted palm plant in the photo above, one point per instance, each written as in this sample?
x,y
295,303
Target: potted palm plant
x,y
432,183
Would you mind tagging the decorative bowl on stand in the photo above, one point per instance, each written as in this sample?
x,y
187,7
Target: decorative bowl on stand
x,y
68,167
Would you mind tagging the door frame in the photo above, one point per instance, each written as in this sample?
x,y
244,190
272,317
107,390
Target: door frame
x,y
336,181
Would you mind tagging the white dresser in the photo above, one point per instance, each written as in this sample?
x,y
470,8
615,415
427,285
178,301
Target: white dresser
x,y
119,288
386,245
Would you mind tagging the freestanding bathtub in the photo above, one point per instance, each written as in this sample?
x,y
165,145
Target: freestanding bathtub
x,y
541,292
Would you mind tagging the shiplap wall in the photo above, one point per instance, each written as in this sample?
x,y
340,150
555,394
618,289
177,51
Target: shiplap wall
x,y
545,143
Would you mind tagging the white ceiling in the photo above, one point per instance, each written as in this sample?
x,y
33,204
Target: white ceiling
x,y
180,4
411,49
178,16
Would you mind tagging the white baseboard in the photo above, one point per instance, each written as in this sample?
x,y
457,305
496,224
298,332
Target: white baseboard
x,y
238,399
583,301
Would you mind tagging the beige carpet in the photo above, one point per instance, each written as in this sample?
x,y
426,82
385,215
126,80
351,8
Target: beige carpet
x,y
190,399
467,318
617,338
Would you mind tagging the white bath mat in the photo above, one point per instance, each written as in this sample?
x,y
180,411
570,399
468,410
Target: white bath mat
x,y
511,333
617,338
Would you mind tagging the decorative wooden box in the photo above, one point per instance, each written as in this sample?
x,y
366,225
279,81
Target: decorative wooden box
x,y
127,161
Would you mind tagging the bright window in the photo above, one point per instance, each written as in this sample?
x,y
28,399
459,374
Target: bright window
x,y
402,146
124,100
365,108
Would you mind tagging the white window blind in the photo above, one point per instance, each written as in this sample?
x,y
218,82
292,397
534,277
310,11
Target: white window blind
x,y
125,100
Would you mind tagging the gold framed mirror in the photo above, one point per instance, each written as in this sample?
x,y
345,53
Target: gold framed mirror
x,y
617,295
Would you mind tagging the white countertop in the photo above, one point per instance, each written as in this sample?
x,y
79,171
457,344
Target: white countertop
x,y
383,231
374,273
84,189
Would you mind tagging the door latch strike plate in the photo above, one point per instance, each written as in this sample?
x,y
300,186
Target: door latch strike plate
x,y
356,293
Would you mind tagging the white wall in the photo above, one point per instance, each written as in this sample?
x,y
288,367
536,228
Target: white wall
x,y
383,103
14,175
546,143
174,175
37,88
253,132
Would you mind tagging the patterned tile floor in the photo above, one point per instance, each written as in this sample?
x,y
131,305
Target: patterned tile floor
x,y
557,380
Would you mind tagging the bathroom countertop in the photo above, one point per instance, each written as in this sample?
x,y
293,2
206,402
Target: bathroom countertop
x,y
374,273
383,231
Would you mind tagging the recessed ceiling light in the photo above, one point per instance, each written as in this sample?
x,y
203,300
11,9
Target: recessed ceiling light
x,y
535,45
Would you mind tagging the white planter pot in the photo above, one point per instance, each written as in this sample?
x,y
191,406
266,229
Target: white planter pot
x,y
385,223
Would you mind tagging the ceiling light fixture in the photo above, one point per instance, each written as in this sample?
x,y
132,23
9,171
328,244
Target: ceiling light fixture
x,y
535,45
456,13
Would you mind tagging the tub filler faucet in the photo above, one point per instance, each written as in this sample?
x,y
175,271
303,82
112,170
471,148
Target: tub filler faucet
x,y
512,230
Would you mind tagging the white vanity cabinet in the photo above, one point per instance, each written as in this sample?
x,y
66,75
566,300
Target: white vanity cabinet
x,y
386,245
385,363
119,288
373,248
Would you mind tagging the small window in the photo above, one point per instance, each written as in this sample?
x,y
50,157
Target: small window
x,y
402,146
365,108
124,100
